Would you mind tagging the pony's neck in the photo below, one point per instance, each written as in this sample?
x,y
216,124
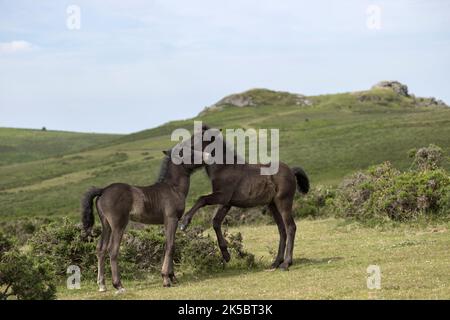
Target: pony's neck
x,y
178,178
211,168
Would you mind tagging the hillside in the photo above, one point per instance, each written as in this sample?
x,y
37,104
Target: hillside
x,y
22,145
329,135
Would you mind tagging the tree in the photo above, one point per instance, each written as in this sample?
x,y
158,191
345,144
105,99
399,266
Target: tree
x,y
25,278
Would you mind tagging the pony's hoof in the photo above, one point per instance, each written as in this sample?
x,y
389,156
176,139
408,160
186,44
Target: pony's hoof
x,y
120,291
184,223
166,284
275,264
284,266
102,289
173,279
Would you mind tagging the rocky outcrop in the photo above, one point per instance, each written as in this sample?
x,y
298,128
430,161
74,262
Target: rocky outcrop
x,y
238,100
402,90
303,100
396,86
264,97
428,102
259,97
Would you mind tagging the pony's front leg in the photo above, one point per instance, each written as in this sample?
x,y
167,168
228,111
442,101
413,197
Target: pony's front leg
x,y
217,225
167,272
210,199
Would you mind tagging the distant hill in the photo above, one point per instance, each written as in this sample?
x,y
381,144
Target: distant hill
x,y
329,135
21,145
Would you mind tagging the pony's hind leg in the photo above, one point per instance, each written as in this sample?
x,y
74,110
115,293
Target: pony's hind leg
x,y
282,231
167,272
284,206
102,246
113,248
217,225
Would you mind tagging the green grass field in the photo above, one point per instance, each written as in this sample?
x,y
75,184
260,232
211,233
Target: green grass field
x,y
331,259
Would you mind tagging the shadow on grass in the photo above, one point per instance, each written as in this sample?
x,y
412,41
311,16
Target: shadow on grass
x,y
307,261
186,279
233,271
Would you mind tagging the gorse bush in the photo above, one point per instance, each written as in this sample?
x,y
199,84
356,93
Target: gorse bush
x,y
23,229
6,244
415,193
383,192
243,258
141,252
26,278
197,252
62,244
427,158
22,276
356,193
315,203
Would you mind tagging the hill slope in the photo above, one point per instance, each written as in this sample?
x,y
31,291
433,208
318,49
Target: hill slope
x,y
329,135
22,145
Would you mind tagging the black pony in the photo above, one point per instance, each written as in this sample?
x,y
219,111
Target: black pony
x,y
242,185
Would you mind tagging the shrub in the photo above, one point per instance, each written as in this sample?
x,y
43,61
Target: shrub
x,y
352,197
242,257
415,193
315,203
6,244
62,244
22,229
198,253
142,250
383,192
427,158
23,277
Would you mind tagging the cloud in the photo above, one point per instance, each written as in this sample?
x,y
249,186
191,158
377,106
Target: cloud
x,y
15,46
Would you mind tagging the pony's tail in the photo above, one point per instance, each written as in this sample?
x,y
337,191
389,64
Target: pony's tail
x,y
302,179
87,213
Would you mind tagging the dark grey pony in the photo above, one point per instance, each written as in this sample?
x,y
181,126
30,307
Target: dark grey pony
x,y
242,185
160,203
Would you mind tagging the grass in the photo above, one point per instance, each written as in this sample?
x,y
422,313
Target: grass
x,y
338,134
331,258
45,173
23,145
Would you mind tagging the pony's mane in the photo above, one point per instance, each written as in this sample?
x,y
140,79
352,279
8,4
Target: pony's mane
x,y
163,169
226,148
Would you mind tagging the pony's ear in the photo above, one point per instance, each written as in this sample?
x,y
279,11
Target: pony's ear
x,y
166,152
205,127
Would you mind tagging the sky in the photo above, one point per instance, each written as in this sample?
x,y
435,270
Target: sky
x,y
125,66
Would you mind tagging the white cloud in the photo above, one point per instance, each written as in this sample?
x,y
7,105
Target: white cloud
x,y
15,46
